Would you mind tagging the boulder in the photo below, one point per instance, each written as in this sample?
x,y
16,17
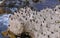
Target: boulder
x,y
42,24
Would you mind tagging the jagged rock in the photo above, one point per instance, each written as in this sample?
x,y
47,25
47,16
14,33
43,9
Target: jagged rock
x,y
43,24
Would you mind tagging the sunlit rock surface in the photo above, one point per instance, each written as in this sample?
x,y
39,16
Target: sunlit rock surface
x,y
38,6
42,24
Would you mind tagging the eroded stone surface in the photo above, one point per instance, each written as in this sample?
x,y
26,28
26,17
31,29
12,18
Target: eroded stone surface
x,y
43,24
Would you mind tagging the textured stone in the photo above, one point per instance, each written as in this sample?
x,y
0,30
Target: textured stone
x,y
43,24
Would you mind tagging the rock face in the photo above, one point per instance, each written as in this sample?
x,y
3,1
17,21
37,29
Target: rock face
x,y
16,27
43,24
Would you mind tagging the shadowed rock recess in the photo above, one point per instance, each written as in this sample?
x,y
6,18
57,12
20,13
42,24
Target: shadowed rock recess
x,y
36,24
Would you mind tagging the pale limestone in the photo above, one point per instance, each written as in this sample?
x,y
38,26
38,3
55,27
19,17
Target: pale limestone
x,y
43,24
